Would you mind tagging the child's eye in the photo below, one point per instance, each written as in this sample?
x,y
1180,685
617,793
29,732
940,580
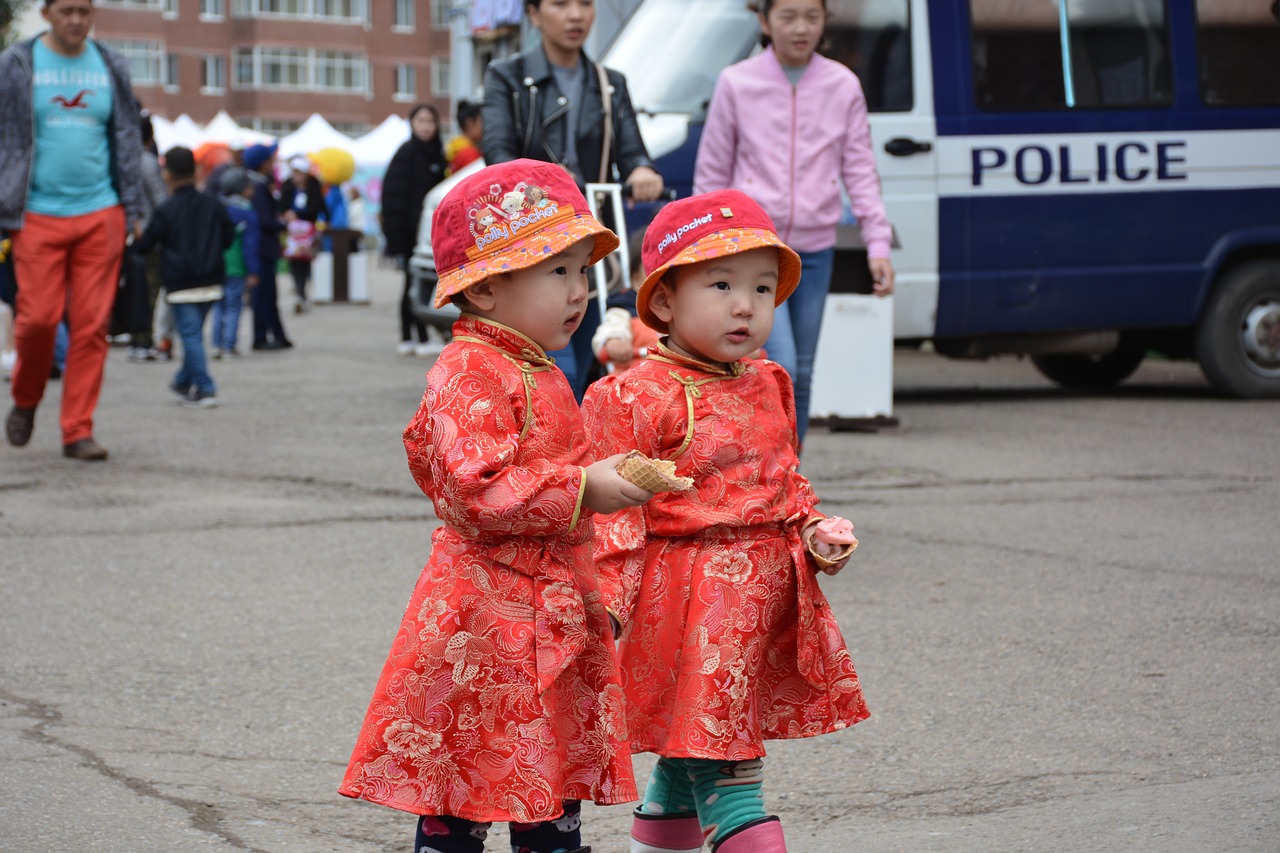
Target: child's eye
x,y
721,285
764,288
583,271
560,271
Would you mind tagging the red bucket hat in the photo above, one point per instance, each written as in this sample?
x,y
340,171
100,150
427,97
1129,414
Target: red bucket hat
x,y
707,226
508,217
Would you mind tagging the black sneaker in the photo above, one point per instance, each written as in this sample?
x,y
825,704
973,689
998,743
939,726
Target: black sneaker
x,y
197,399
181,390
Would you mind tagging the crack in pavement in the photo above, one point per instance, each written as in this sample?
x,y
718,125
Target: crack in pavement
x,y
205,817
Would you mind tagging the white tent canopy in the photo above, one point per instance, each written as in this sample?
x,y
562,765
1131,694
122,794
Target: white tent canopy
x,y
377,147
180,131
314,134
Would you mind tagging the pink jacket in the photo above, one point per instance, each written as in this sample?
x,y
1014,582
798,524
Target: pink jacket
x,y
788,147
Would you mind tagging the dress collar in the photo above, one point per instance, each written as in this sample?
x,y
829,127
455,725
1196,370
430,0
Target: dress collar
x,y
665,353
470,327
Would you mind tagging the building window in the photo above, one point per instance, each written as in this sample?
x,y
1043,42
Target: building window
x,y
275,127
439,77
170,9
171,72
338,71
406,83
149,5
402,15
301,70
351,128
1058,55
332,11
213,10
1236,41
213,75
146,60
440,13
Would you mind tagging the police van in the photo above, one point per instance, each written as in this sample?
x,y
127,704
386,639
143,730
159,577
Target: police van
x,y
1081,181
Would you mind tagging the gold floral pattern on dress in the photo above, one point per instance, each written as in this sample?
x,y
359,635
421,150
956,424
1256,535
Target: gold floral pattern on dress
x,y
500,697
727,639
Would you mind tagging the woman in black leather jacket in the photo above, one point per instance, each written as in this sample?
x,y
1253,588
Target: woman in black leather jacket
x,y
546,103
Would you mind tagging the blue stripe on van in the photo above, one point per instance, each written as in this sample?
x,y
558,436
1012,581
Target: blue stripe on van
x,y
1011,264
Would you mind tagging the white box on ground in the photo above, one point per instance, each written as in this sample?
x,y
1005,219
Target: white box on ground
x,y
853,368
322,277
357,277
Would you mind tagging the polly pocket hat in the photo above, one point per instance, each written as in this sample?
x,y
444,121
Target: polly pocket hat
x,y
707,226
508,217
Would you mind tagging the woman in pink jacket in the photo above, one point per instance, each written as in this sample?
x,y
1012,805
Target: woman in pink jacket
x,y
786,127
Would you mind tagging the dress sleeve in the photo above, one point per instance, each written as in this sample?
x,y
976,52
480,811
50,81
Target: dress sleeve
x,y
463,449
619,542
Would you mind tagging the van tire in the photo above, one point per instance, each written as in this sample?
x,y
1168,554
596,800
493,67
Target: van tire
x,y
1244,303
1091,371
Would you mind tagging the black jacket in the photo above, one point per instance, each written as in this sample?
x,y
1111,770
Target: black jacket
x,y
193,230
314,208
525,116
267,206
416,167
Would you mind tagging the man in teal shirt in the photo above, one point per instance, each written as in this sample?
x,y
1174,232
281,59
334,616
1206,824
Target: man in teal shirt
x,y
70,188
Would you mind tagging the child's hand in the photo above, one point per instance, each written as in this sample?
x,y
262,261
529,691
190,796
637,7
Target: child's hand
x,y
830,543
607,492
617,350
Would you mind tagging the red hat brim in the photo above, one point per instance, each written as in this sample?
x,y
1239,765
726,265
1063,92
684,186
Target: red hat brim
x,y
728,241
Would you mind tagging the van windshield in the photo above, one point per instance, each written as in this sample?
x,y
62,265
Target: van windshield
x,y
671,51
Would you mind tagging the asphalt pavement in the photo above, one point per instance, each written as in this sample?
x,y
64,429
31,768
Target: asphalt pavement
x,y
1065,612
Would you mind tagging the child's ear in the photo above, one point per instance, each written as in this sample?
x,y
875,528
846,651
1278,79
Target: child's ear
x,y
481,295
660,301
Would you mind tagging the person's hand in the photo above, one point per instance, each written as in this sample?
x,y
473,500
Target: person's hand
x,y
137,229
826,550
607,492
882,276
251,281
289,216
645,183
618,351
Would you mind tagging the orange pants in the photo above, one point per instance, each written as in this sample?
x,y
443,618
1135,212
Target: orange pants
x,y
66,266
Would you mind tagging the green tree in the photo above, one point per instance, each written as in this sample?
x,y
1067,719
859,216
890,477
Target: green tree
x,y
10,10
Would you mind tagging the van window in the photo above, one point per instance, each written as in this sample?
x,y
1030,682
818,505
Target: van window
x,y
1070,54
1239,52
873,37
672,51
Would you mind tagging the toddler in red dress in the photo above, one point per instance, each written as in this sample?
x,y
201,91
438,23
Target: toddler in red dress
x,y
500,698
726,639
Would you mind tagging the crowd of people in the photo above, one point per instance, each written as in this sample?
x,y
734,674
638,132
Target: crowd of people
x,y
626,565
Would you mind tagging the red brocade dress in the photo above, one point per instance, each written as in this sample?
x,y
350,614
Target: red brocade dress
x,y
501,696
727,639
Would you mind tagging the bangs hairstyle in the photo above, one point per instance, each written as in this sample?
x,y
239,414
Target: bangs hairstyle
x,y
764,7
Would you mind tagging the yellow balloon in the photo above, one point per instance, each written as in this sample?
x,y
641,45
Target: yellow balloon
x,y
334,165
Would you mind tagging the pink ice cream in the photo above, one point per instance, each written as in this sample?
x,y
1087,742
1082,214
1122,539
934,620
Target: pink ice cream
x,y
835,530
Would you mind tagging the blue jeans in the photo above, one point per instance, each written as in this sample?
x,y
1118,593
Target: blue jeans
x,y
226,314
796,323
188,318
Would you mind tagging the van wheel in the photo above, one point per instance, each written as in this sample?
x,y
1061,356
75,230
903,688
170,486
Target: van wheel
x,y
1238,337
1092,371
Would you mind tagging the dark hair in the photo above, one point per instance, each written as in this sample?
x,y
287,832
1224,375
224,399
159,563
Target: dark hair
x,y
764,7
467,110
180,162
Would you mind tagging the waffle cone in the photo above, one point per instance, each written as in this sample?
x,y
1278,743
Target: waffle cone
x,y
652,475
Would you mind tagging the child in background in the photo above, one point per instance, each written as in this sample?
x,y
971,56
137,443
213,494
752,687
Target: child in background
x,y
194,230
500,699
241,259
726,639
464,148
621,338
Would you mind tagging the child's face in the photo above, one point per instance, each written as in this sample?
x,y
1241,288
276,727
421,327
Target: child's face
x,y
720,310
795,26
546,302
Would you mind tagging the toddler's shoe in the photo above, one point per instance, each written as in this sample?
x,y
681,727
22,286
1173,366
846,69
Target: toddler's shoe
x,y
86,450
663,833
758,836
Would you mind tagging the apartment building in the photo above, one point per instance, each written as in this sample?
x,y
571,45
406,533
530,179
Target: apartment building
x,y
272,63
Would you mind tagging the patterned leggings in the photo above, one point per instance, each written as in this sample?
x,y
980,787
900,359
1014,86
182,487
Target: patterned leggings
x,y
724,794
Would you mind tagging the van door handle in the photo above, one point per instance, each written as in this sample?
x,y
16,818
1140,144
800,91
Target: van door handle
x,y
903,146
